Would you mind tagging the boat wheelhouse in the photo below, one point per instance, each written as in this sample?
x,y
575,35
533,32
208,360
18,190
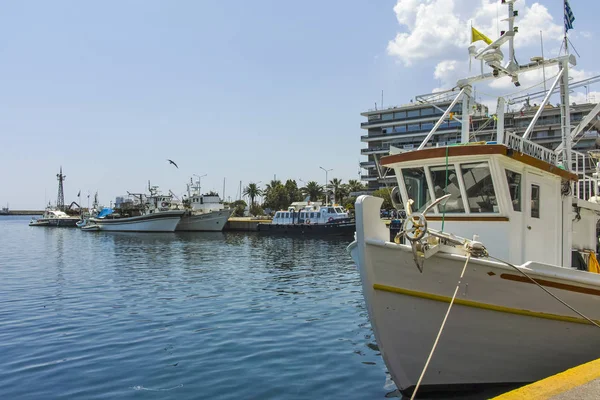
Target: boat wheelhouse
x,y
510,199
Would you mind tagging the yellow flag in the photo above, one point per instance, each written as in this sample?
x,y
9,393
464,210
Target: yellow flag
x,y
476,35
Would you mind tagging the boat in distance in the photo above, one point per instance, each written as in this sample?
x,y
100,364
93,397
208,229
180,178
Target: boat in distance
x,y
55,218
155,215
203,212
310,218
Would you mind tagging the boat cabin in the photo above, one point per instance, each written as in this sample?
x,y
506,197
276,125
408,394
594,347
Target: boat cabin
x,y
513,201
205,203
310,215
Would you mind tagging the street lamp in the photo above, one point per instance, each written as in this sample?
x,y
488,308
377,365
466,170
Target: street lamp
x,y
200,180
586,93
326,196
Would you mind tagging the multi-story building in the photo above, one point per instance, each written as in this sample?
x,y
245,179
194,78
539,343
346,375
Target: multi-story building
x,y
406,126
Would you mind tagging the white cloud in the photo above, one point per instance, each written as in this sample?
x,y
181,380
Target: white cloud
x,y
441,28
436,34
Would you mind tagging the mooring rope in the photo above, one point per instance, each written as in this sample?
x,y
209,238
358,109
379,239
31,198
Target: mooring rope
x,y
441,328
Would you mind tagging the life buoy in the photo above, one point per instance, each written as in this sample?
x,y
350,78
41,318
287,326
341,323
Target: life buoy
x,y
164,204
307,222
330,219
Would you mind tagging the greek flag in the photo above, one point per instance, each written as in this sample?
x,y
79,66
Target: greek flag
x,y
569,17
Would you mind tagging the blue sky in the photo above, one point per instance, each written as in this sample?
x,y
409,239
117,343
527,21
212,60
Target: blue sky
x,y
233,89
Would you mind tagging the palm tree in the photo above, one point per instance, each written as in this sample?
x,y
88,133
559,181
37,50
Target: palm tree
x,y
271,186
252,191
355,186
335,184
313,190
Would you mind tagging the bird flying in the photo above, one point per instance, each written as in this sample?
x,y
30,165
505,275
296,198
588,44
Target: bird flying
x,y
172,162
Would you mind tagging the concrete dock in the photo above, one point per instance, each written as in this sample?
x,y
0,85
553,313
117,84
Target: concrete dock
x,y
581,382
244,224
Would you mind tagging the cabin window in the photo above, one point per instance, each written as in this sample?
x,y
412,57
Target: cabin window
x,y
330,210
387,117
417,189
514,188
339,210
301,215
535,201
479,186
449,185
400,115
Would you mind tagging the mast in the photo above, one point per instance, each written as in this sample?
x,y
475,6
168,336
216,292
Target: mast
x,y
60,201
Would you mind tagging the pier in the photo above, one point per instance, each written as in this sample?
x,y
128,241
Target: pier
x,y
244,224
25,212
581,382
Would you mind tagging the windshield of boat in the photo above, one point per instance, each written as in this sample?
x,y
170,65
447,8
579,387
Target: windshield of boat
x,y
417,188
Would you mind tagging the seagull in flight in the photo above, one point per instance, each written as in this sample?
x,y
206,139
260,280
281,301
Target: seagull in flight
x,y
172,162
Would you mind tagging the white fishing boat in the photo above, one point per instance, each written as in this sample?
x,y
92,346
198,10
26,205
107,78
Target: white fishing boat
x,y
204,212
155,211
4,210
518,220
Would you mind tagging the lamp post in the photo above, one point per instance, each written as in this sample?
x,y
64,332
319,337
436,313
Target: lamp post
x,y
200,180
586,93
326,196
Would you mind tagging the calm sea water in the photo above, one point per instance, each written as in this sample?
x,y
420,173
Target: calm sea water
x,y
186,316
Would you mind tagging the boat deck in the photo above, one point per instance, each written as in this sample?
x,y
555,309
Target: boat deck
x,y
581,382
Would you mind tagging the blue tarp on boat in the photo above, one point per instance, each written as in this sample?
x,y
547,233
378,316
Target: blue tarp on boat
x,y
104,212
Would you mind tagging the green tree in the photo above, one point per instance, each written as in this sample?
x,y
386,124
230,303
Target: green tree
x,y
252,191
256,210
349,203
342,193
271,186
238,208
334,186
277,198
385,194
313,190
293,193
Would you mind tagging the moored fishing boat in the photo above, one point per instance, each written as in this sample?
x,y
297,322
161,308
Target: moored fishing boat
x,y
494,227
155,215
203,212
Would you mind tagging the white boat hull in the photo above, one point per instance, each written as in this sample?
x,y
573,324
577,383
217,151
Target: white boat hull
x,y
159,222
213,221
502,328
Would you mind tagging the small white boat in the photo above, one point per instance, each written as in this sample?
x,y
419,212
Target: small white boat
x,y
55,218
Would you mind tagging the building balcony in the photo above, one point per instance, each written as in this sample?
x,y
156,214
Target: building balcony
x,y
368,178
375,150
367,164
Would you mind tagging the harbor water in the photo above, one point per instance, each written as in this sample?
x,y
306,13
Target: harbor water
x,y
99,315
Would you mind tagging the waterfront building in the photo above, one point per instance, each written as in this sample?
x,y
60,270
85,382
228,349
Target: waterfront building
x,y
406,126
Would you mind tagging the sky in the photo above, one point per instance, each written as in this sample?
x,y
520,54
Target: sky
x,y
237,90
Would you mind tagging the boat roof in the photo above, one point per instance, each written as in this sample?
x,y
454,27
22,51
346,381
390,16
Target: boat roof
x,y
476,149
